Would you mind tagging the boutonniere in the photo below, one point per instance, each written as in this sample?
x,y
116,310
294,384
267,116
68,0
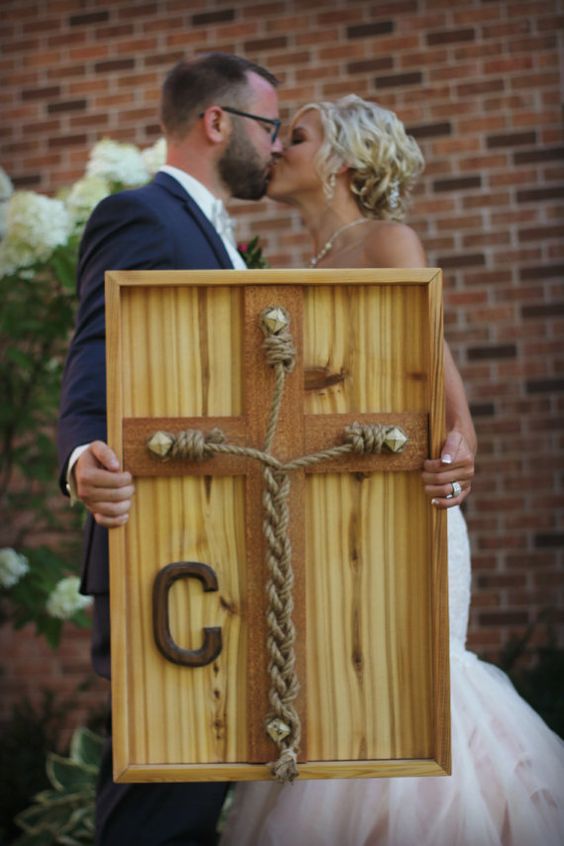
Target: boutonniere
x,y
251,253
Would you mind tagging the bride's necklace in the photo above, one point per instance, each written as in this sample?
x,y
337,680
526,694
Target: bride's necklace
x,y
329,243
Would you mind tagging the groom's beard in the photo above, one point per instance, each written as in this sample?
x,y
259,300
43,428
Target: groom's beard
x,y
241,169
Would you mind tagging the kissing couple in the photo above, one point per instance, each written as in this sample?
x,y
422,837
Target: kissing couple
x,y
349,167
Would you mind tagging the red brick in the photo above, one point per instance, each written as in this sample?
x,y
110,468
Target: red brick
x,y
457,223
396,8
480,50
534,80
394,44
481,202
41,60
484,239
258,11
502,30
288,23
480,15
237,31
533,44
510,65
130,10
462,71
485,86
187,39
422,58
106,33
342,16
316,37
19,47
335,52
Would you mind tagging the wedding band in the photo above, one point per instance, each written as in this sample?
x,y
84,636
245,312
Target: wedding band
x,y
456,488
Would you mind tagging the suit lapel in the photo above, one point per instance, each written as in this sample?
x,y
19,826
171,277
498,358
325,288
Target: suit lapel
x,y
173,187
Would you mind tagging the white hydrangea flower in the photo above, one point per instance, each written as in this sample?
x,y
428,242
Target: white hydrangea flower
x,y
84,196
65,600
117,162
155,156
12,567
36,225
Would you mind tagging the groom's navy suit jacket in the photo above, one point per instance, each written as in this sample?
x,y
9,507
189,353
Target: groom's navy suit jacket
x,y
157,227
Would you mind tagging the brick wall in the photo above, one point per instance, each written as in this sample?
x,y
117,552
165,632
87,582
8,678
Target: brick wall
x,y
479,84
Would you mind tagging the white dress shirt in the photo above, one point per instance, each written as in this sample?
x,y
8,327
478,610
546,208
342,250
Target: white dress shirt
x,y
212,207
216,213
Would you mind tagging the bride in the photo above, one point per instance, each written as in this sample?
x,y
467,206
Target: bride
x,y
349,168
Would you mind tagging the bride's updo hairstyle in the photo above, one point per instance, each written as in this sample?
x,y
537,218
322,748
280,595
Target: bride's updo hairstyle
x,y
384,161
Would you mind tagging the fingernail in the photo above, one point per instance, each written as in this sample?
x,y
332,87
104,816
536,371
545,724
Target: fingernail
x,y
446,458
434,502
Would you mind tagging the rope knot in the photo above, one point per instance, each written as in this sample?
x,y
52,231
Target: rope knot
x,y
365,438
285,769
278,342
194,445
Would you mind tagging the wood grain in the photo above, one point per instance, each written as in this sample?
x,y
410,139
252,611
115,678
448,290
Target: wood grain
x,y
369,551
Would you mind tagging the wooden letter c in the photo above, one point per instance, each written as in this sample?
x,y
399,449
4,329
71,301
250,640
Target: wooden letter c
x,y
164,580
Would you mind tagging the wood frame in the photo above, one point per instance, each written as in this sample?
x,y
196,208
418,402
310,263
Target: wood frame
x,y
127,434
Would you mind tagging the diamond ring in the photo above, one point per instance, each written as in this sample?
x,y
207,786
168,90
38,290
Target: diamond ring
x,y
456,488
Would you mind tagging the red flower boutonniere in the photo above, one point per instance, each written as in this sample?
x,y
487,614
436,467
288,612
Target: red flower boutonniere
x,y
251,253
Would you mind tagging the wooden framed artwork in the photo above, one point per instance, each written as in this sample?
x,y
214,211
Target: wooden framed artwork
x,y
279,594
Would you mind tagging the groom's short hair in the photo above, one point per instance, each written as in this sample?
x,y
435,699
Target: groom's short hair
x,y
191,86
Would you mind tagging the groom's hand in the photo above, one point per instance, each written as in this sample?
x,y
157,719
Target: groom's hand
x,y
100,484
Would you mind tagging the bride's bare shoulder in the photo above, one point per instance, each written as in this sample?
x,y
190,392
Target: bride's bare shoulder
x,y
391,244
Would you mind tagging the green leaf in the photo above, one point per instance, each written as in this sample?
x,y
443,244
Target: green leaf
x,y
51,629
63,261
66,774
86,747
52,811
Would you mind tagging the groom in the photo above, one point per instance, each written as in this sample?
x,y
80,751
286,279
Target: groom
x,y
220,118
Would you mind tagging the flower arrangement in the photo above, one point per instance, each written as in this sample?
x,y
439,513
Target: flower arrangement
x,y
39,239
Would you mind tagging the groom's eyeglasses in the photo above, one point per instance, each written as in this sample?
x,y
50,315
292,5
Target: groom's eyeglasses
x,y
275,123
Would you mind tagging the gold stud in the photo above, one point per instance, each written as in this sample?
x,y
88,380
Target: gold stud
x,y
395,439
160,444
275,319
278,730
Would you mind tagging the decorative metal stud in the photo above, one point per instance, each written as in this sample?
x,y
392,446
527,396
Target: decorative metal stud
x,y
160,444
278,730
275,319
395,439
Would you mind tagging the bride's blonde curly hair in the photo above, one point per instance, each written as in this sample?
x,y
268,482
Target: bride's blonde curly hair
x,y
384,160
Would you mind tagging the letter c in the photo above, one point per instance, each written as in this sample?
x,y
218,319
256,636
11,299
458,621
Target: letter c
x,y
164,580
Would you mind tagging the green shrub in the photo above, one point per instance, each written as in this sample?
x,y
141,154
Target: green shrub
x,y
64,813
25,741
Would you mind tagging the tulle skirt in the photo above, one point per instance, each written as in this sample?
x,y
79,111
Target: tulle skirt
x,y
507,786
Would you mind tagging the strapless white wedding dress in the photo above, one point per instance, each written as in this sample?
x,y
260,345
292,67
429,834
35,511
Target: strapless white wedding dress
x,y
507,786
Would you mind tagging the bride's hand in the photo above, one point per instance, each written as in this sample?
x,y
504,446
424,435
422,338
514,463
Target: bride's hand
x,y
448,479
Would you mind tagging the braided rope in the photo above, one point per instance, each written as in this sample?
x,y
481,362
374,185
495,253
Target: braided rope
x,y
282,722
